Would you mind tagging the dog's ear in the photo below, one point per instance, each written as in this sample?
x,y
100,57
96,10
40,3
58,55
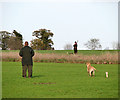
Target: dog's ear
x,y
87,63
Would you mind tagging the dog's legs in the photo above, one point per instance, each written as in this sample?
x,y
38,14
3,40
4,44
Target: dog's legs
x,y
93,73
90,73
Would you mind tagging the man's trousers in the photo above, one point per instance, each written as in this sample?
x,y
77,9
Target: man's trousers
x,y
24,70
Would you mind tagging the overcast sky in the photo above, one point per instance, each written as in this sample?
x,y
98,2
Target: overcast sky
x,y
69,21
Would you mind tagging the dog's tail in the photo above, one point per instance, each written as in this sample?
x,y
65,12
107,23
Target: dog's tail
x,y
95,69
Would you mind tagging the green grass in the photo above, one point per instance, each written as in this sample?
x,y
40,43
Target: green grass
x,y
0,80
84,52
67,81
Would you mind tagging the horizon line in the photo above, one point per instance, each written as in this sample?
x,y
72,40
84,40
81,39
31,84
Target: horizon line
x,y
59,1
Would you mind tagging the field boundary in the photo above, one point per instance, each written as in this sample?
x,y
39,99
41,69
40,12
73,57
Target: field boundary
x,y
101,58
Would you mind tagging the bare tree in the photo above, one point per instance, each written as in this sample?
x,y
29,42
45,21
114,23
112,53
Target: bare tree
x,y
116,45
68,47
107,48
93,44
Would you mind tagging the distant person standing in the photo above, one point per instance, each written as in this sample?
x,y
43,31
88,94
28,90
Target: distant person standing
x,y
75,47
27,53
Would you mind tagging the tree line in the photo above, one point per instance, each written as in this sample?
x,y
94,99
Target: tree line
x,y
43,41
14,40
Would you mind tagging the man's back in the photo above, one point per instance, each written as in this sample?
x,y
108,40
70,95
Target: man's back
x,y
26,53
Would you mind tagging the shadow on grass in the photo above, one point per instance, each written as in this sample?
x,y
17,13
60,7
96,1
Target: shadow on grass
x,y
36,76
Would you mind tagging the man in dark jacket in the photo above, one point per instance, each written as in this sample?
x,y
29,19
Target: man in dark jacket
x,y
27,53
75,47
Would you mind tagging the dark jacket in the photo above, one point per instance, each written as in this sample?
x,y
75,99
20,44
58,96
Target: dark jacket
x,y
26,53
75,46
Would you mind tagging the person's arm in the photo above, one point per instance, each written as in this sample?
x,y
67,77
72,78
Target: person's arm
x,y
32,52
21,53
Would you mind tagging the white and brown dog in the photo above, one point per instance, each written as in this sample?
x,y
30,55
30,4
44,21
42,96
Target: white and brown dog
x,y
90,69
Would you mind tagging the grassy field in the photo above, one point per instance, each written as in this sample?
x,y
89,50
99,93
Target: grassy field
x,y
59,80
84,52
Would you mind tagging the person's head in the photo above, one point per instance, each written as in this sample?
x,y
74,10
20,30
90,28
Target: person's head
x,y
26,43
75,42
